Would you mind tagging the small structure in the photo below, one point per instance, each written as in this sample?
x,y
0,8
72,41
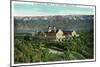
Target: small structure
x,y
60,35
49,29
54,29
75,34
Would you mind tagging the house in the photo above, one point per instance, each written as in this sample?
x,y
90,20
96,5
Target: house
x,y
54,34
58,35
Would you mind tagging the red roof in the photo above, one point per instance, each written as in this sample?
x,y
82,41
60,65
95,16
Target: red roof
x,y
54,33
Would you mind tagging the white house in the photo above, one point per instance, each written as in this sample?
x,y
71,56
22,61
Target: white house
x,y
60,35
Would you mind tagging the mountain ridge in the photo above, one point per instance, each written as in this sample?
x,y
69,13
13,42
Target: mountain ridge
x,y
65,22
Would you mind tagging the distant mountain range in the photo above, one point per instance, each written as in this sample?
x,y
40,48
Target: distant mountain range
x,y
41,23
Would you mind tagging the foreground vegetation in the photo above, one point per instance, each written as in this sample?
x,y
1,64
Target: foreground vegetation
x,y
36,49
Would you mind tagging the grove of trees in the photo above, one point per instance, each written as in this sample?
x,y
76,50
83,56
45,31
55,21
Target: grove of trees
x,y
38,49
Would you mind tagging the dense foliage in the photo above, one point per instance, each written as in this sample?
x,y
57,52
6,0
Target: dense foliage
x,y
33,49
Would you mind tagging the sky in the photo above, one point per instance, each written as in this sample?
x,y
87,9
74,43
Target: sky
x,y
48,9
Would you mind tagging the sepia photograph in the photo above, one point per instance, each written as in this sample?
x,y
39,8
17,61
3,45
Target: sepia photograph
x,y
52,33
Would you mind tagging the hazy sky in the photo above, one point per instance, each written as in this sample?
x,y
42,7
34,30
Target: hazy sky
x,y
43,9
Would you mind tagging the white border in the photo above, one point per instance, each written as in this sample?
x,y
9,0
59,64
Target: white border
x,y
42,63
